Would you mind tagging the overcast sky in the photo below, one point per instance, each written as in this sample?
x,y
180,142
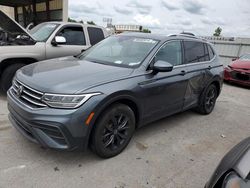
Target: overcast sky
x,y
169,16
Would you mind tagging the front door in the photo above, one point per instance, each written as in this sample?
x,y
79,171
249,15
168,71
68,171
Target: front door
x,y
75,43
164,92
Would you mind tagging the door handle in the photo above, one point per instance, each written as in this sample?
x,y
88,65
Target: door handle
x,y
209,67
183,72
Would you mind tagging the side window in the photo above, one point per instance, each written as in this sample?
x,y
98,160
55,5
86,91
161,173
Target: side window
x,y
211,52
170,52
95,35
73,35
194,52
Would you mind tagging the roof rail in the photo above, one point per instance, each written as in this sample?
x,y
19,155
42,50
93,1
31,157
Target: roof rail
x,y
188,35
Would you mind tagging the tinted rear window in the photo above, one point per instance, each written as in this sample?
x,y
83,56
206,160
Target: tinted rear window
x,y
194,52
95,35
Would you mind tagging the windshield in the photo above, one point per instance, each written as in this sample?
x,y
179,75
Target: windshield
x,y
43,31
245,57
126,51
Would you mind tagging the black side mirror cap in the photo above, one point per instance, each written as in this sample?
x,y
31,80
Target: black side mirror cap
x,y
162,66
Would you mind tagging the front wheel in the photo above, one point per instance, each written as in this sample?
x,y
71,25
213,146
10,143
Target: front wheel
x,y
208,100
113,131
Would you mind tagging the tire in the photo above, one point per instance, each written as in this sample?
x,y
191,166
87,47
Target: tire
x,y
8,74
207,100
113,131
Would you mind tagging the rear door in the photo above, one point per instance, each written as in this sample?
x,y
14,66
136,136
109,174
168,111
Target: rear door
x,y
75,42
196,59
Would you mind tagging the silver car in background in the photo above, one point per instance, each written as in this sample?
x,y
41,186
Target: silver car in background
x,y
45,41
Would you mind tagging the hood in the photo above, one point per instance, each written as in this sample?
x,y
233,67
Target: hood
x,y
11,26
69,75
240,64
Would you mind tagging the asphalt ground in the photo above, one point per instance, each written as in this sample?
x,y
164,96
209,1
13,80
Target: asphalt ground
x,y
179,151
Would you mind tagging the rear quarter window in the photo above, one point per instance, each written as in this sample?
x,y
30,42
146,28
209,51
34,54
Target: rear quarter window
x,y
95,35
211,52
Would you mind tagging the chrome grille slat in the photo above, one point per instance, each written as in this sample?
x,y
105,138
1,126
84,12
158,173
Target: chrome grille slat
x,y
29,96
33,102
38,92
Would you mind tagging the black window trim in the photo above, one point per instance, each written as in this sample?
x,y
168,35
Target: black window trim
x,y
210,46
197,63
151,61
95,28
71,25
204,50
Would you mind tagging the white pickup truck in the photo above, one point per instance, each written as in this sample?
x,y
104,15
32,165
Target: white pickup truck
x,y
45,41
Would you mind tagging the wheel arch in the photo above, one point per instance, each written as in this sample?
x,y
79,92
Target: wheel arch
x,y
10,61
217,84
114,99
215,81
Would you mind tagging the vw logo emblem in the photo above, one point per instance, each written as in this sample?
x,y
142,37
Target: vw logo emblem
x,y
19,91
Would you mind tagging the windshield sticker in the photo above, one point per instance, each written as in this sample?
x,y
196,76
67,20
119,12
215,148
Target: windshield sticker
x,y
134,63
118,62
144,40
50,26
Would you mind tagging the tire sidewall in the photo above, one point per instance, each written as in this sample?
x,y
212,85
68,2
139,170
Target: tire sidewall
x,y
8,75
208,111
105,117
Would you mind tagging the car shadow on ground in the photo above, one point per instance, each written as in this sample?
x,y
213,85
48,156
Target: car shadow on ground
x,y
237,85
3,96
87,157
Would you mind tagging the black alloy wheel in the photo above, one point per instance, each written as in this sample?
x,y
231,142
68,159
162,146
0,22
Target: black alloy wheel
x,y
207,100
113,130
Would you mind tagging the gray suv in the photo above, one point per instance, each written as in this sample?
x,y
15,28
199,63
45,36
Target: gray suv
x,y
100,97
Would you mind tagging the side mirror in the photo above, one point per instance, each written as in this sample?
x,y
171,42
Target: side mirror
x,y
58,40
162,66
234,59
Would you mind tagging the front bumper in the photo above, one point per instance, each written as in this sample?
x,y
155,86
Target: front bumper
x,y
52,128
238,77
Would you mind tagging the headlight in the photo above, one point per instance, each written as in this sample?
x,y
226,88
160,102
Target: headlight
x,y
232,180
66,101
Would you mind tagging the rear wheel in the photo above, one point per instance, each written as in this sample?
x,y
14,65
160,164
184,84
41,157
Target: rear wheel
x,y
113,131
208,100
8,75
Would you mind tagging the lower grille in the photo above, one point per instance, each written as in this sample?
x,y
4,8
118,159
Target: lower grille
x,y
22,126
52,132
240,76
243,77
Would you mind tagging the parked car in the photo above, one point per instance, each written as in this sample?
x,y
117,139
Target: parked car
x,y
234,169
100,97
45,41
239,70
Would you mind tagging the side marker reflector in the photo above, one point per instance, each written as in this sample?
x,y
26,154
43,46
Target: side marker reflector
x,y
91,115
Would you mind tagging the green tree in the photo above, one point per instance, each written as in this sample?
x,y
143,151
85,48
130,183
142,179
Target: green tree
x,y
146,30
217,32
91,23
71,20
